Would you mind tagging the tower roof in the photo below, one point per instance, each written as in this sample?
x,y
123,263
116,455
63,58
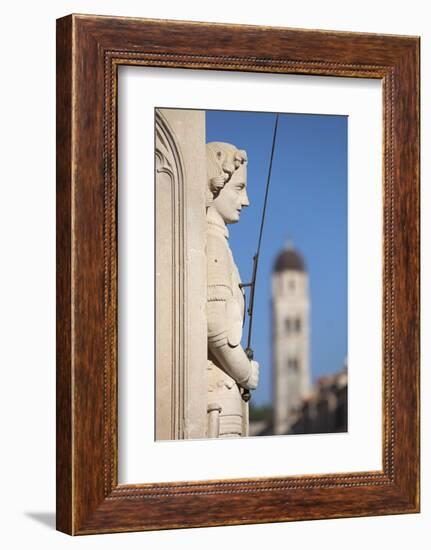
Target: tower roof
x,y
289,259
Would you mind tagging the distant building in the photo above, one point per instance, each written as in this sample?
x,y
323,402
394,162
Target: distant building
x,y
297,407
290,337
325,409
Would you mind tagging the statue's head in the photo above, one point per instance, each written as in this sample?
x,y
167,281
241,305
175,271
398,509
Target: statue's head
x,y
226,180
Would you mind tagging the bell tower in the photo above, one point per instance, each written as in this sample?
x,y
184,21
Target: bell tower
x,y
290,336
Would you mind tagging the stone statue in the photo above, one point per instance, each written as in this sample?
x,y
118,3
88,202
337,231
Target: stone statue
x,y
229,369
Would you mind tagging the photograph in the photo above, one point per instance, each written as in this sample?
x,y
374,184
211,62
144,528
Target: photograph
x,y
271,209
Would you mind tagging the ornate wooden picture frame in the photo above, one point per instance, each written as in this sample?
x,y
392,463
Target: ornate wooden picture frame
x,y
89,51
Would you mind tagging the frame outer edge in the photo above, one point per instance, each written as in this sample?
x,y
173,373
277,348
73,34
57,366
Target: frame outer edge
x,y
407,279
64,369
81,507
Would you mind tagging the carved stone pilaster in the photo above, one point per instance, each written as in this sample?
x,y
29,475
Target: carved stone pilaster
x,y
181,338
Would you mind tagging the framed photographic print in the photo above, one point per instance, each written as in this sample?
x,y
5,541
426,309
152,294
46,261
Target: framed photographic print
x,y
237,274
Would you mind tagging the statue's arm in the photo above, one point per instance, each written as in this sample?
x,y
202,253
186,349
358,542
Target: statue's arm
x,y
224,342
232,359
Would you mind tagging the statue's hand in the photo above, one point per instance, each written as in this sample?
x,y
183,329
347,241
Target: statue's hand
x,y
253,379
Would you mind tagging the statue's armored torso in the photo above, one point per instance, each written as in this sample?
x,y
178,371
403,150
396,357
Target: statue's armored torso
x,y
227,412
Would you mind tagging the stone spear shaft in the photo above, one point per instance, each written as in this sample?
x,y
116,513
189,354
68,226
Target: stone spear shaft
x,y
249,350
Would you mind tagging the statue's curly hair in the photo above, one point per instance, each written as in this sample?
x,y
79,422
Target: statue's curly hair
x,y
222,161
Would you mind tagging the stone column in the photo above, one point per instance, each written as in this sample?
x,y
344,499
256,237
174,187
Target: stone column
x,y
181,284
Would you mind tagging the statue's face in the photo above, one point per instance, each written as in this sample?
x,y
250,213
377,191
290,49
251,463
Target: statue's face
x,y
233,196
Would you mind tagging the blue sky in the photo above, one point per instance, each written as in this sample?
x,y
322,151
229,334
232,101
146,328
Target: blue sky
x,y
307,204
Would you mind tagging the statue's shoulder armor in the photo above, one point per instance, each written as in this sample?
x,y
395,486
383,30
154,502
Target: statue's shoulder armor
x,y
219,268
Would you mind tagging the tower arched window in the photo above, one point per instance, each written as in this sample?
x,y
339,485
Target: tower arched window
x,y
293,364
292,325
